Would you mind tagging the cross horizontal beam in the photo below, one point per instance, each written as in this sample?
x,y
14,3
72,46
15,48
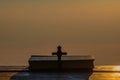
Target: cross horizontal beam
x,y
59,53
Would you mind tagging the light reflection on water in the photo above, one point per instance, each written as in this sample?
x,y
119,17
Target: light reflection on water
x,y
105,76
99,73
106,73
107,68
117,68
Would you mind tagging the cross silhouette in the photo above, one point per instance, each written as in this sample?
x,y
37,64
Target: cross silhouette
x,y
59,53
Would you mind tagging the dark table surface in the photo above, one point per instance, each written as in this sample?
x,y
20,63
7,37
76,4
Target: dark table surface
x,y
47,58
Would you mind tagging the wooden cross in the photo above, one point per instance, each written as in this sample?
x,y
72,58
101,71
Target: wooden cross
x,y
59,53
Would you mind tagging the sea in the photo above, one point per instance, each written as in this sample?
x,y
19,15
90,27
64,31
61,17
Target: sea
x,y
103,72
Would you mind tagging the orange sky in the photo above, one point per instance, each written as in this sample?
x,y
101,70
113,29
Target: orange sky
x,y
37,24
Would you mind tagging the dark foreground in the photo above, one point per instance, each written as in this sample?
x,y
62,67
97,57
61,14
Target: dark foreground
x,y
22,73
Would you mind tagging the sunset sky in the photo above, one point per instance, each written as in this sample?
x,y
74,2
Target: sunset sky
x,y
78,25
